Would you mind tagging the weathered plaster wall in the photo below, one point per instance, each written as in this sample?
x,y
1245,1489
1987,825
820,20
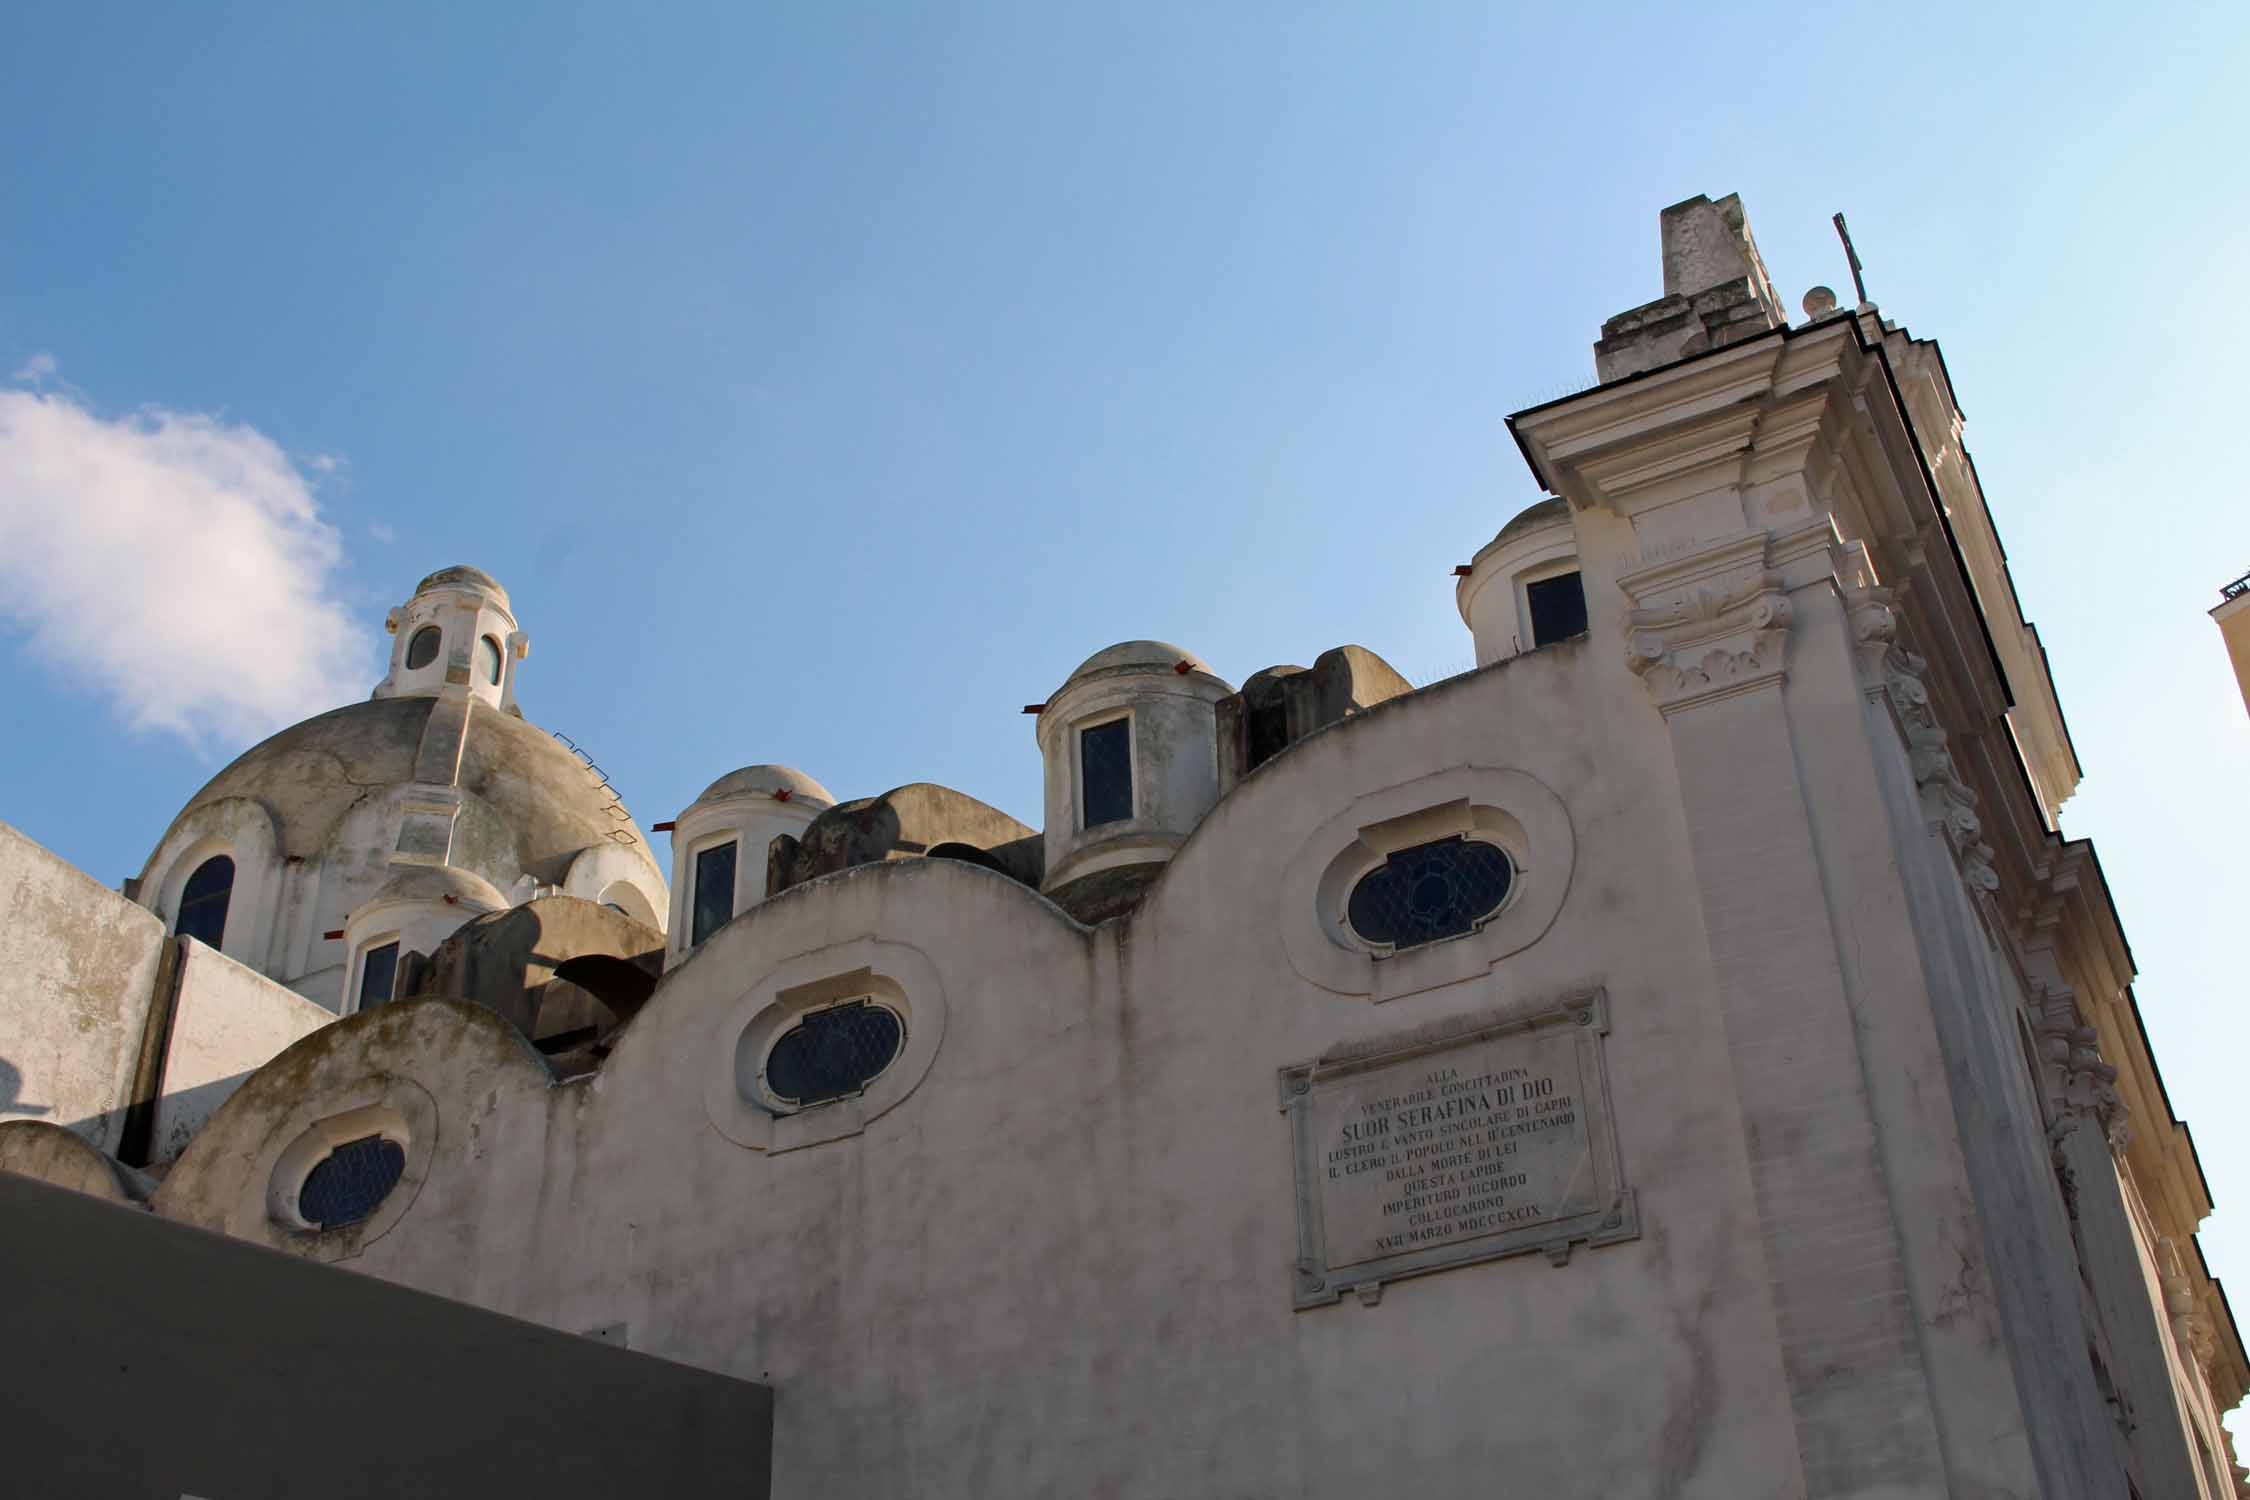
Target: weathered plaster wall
x,y
227,1022
78,964
1063,1262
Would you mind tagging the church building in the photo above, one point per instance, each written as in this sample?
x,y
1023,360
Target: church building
x,y
1681,1056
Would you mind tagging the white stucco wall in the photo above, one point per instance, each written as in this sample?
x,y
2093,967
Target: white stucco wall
x,y
228,1022
78,964
1062,1263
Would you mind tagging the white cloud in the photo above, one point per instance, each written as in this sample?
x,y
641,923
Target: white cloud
x,y
175,565
384,534
40,367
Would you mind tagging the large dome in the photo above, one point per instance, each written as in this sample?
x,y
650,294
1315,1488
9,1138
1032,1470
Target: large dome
x,y
310,775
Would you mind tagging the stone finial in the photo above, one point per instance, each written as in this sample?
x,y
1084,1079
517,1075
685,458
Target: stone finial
x,y
1716,292
1819,302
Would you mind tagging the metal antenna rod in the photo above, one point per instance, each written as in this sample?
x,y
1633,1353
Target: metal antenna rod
x,y
1859,283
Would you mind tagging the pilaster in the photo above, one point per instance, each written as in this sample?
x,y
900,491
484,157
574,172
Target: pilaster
x,y
1709,637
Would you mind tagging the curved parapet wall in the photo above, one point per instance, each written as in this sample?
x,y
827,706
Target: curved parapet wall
x,y
903,823
62,1157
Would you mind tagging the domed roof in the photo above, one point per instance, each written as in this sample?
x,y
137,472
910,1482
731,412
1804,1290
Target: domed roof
x,y
462,576
437,883
765,781
310,775
1140,656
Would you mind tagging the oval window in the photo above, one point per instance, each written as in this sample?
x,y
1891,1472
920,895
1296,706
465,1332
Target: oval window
x,y
833,1053
1432,891
488,658
351,1182
421,650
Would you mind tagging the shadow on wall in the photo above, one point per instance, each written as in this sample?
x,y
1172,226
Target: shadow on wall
x,y
565,972
12,1101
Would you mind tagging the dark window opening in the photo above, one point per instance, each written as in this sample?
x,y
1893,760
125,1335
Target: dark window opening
x,y
1268,729
833,1052
351,1182
1105,766
1558,608
1429,892
203,901
378,976
488,659
421,650
714,891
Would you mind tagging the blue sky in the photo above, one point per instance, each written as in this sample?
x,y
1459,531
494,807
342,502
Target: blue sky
x,y
825,382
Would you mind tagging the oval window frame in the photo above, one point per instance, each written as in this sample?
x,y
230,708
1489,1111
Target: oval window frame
x,y
901,977
1510,807
494,669
798,1025
1483,836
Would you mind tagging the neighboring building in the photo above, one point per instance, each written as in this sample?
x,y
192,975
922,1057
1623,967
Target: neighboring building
x,y
2233,614
1682,1056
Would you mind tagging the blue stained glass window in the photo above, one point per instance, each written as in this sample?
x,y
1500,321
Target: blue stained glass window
x,y
203,901
351,1182
1431,891
1105,765
833,1052
714,890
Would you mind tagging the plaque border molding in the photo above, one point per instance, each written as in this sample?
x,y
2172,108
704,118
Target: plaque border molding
x,y
1317,1283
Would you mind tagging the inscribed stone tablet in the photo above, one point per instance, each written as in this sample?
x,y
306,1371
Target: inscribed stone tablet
x,y
1484,1144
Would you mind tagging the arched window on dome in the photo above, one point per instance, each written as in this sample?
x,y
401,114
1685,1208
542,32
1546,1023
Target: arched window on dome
x,y
422,647
203,901
488,659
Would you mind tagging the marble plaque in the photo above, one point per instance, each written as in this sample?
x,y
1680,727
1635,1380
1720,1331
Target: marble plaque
x,y
1485,1143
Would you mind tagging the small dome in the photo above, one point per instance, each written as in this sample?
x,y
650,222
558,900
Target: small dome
x,y
766,780
462,576
439,883
1532,517
1140,656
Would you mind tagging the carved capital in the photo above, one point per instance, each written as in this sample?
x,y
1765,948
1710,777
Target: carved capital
x,y
1709,624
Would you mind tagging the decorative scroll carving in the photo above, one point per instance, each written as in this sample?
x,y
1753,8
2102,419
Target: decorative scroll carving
x,y
2086,1086
1896,674
2191,1327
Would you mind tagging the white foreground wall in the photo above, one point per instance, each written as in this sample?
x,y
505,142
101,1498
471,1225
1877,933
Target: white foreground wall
x,y
78,966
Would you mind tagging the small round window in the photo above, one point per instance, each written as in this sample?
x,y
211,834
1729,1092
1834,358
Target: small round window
x,y
350,1182
833,1053
421,648
1429,892
488,659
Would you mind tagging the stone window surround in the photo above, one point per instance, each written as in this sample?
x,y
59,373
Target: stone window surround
x,y
896,975
1095,718
243,831
358,977
1540,572
703,844
1510,808
395,1108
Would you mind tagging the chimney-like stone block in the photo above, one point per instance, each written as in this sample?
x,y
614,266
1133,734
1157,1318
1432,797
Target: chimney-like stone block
x,y
1716,292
